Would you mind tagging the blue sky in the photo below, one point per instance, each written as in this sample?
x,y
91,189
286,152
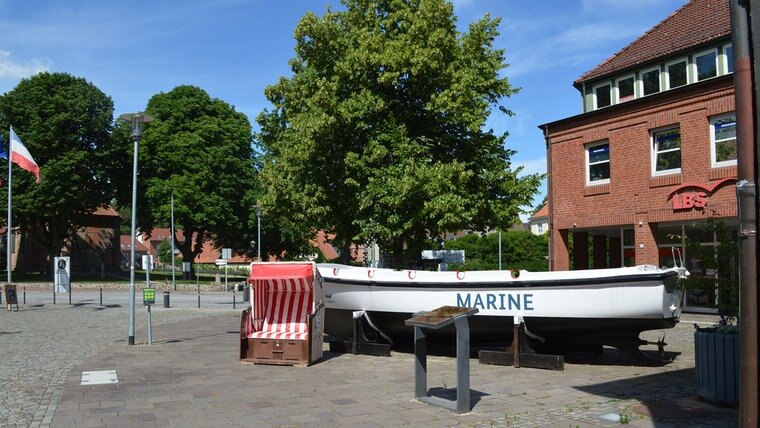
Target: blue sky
x,y
233,49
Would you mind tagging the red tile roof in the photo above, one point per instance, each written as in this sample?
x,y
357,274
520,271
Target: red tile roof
x,y
543,212
695,23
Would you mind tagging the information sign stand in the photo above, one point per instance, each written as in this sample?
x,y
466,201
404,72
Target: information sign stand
x,y
11,298
149,298
435,320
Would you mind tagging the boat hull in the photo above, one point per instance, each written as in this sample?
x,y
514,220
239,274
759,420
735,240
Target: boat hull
x,y
598,306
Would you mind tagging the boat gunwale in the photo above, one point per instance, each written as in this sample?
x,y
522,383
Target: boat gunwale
x,y
516,283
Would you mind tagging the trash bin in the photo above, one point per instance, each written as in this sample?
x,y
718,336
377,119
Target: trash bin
x,y
246,293
166,299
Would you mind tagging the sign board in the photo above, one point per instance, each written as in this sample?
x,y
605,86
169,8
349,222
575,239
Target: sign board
x,y
185,266
220,262
149,296
62,276
446,256
147,262
226,253
11,298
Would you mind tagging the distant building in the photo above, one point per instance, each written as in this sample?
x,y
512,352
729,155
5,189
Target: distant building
x,y
539,222
93,248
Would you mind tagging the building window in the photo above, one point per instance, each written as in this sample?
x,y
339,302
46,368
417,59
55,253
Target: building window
x,y
677,75
707,64
666,151
728,59
650,81
625,89
723,140
629,248
598,161
602,96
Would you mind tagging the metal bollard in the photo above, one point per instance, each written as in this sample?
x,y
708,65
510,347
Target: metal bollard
x,y
25,295
166,299
101,296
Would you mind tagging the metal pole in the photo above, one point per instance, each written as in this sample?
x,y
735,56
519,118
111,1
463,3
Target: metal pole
x,y
136,120
101,296
150,328
258,236
174,283
136,139
746,115
499,249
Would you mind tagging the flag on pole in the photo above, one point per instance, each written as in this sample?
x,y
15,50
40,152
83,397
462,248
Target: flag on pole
x,y
21,157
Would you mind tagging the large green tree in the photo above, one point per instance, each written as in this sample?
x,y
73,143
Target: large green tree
x,y
380,135
199,148
65,122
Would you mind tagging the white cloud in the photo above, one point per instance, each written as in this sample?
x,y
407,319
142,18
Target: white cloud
x,y
11,69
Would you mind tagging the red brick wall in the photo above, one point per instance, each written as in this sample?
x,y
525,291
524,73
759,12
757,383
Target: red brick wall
x,y
633,197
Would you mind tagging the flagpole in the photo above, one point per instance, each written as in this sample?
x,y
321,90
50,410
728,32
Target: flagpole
x,y
9,242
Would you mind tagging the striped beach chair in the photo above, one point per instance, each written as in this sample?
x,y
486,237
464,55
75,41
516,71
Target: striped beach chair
x,y
284,324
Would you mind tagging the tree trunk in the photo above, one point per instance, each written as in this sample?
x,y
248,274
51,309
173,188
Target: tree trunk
x,y
397,260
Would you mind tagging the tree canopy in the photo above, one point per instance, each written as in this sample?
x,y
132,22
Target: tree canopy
x,y
379,132
65,122
199,148
519,249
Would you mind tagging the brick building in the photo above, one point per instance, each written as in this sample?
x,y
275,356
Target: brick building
x,y
653,154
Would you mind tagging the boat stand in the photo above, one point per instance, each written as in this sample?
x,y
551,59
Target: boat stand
x,y
434,320
358,343
520,354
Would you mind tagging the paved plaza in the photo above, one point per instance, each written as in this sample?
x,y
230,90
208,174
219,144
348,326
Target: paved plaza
x,y
191,376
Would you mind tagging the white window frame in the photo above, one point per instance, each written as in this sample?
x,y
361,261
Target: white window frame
x,y
724,59
588,148
667,72
593,91
694,64
713,147
654,152
641,80
617,89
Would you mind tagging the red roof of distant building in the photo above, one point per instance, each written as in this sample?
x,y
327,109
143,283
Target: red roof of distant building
x,y
125,242
542,212
695,23
106,211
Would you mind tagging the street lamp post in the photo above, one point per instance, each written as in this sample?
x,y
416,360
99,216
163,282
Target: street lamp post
x,y
137,120
258,237
174,282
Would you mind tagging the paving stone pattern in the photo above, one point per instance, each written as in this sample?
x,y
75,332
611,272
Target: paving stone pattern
x,y
191,376
40,344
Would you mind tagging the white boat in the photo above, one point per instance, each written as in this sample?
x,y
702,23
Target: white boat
x,y
597,306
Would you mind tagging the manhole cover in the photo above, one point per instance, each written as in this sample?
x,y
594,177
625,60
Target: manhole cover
x,y
671,411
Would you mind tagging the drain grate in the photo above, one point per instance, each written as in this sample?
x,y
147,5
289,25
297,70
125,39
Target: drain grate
x,y
99,377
